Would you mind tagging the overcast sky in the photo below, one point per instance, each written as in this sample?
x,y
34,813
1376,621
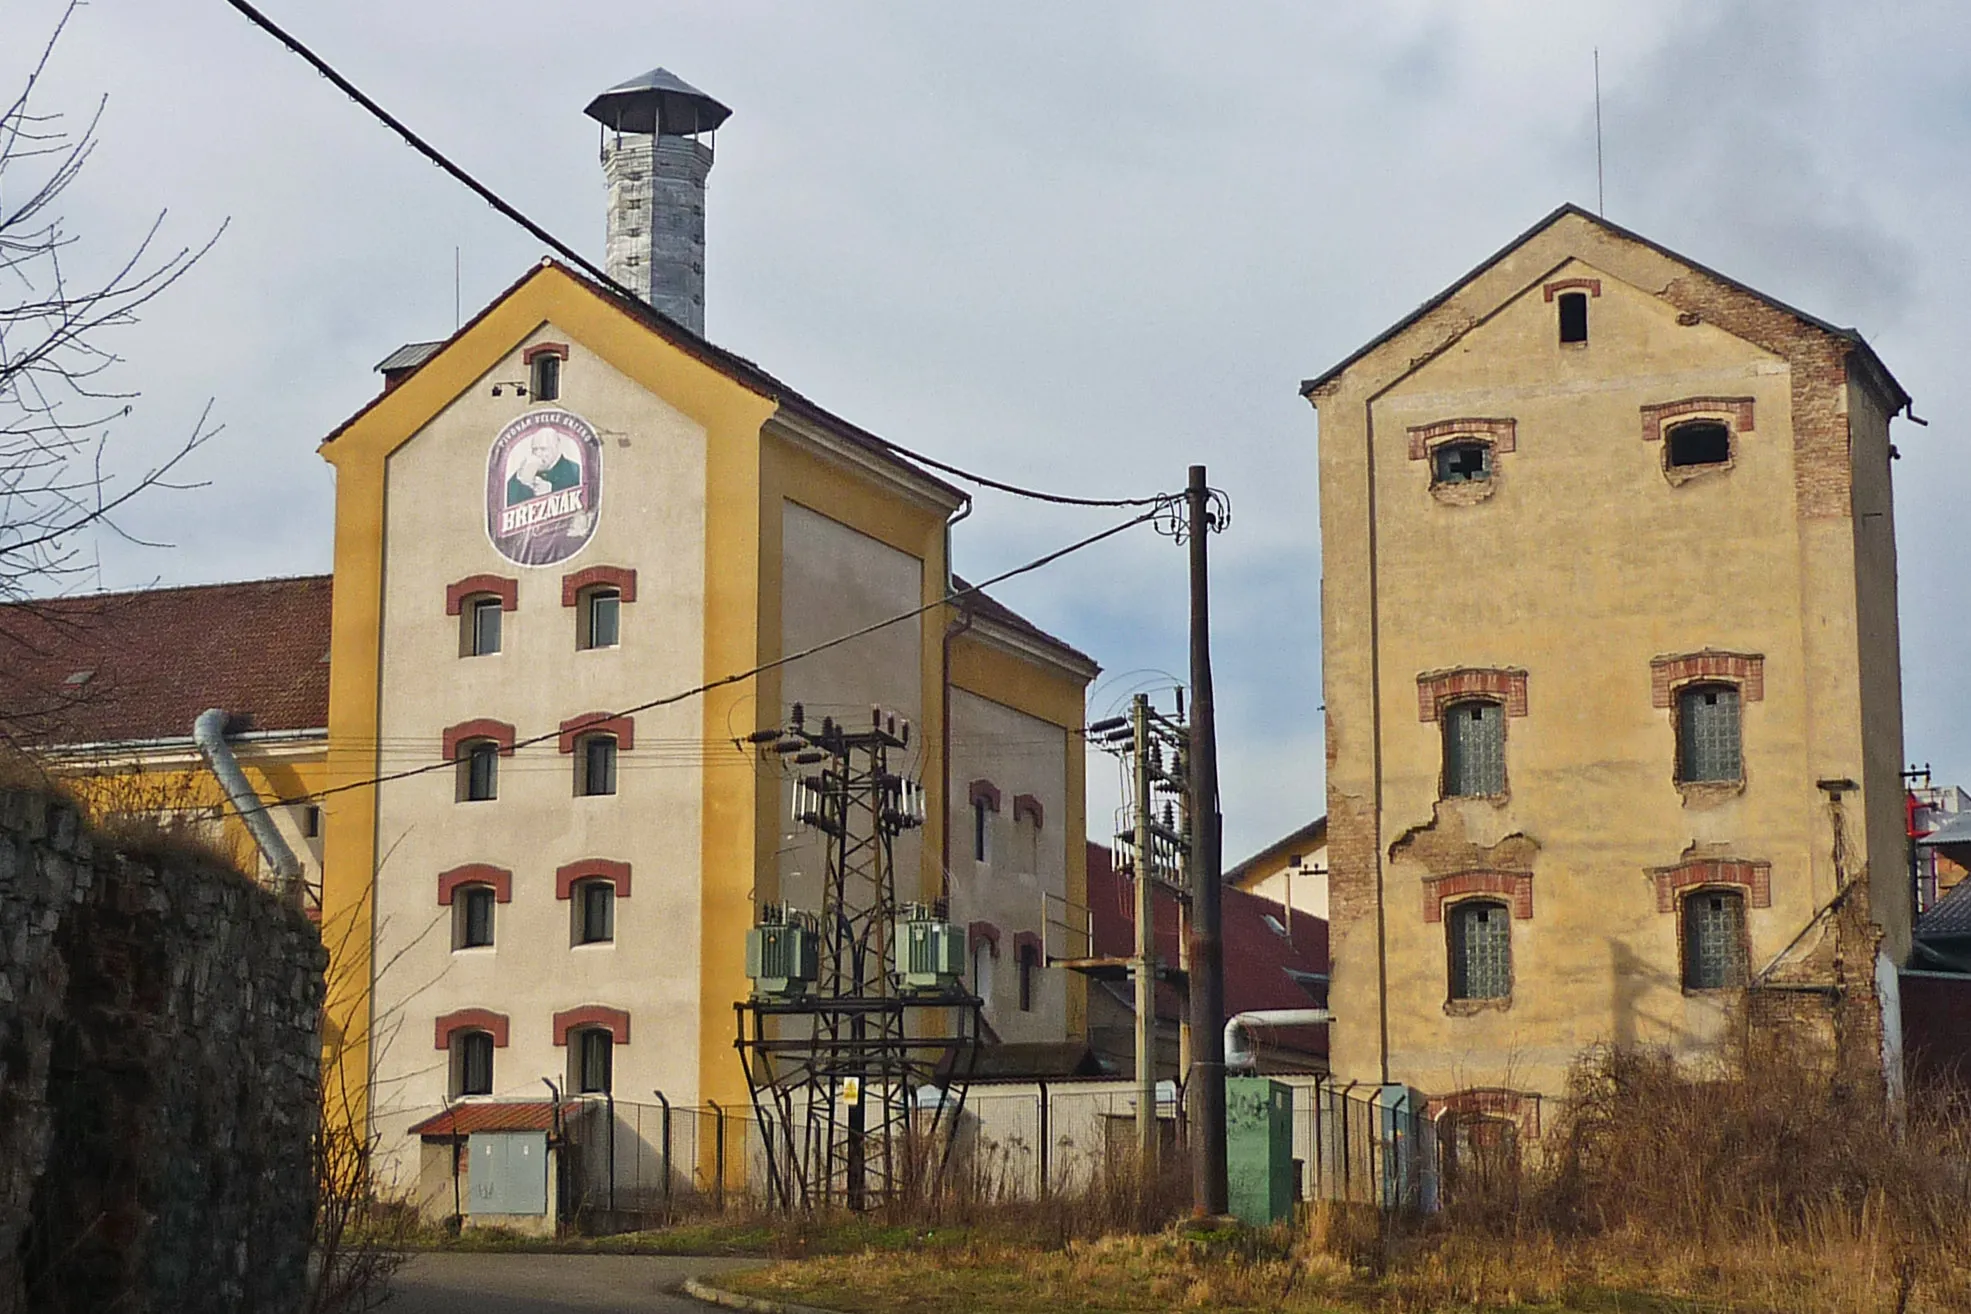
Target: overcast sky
x,y
1076,245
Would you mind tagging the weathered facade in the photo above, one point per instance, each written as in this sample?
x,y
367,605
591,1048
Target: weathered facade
x,y
1611,668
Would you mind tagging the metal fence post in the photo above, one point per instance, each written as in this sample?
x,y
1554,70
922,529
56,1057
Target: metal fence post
x,y
718,1154
666,1106
1046,1136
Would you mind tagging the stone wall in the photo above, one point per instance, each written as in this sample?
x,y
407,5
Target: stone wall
x,y
159,1068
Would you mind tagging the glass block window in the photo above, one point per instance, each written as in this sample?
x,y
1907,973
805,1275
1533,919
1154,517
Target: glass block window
x,y
1474,749
472,1063
1481,950
1707,733
1714,940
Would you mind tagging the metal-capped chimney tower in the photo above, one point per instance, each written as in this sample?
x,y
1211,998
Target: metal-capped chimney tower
x,y
656,156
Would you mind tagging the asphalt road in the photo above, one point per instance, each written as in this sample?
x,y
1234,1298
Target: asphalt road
x,y
439,1283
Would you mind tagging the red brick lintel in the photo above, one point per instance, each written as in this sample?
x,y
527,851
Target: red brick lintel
x,y
544,349
1592,286
1747,670
1502,434
598,723
471,1019
1026,805
591,869
978,933
1516,886
620,578
1737,411
482,727
600,1017
1437,690
475,873
984,791
1755,878
1514,1106
492,586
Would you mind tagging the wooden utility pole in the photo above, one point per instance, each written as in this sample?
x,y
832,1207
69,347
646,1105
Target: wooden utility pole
x,y
1207,1079
1145,965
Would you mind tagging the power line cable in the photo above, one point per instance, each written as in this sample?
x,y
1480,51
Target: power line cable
x,y
574,257
735,678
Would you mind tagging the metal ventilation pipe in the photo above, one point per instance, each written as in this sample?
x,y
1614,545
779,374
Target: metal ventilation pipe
x,y
209,733
1240,1056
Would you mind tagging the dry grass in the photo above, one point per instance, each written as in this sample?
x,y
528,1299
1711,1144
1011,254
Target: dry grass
x,y
1771,1183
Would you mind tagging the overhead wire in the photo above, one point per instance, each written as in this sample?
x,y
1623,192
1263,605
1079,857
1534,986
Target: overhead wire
x,y
736,677
587,266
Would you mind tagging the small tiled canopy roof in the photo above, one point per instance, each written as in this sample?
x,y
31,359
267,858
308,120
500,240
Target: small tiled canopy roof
x,y
123,667
465,1119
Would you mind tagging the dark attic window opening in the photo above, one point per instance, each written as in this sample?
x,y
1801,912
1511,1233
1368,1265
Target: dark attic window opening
x,y
1462,463
1702,442
1573,316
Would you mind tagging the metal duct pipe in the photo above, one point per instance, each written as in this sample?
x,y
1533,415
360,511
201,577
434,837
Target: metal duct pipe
x,y
1240,1056
209,733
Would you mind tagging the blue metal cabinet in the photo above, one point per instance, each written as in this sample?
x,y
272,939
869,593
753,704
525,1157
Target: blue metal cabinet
x,y
509,1173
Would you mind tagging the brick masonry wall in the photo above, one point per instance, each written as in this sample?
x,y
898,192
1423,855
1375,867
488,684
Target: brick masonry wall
x,y
159,1072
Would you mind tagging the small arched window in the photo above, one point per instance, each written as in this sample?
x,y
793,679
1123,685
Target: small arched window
x,y
1474,749
1480,933
480,621
592,1061
1714,940
595,765
472,1063
594,912
982,960
599,620
478,771
472,917
1708,739
1028,958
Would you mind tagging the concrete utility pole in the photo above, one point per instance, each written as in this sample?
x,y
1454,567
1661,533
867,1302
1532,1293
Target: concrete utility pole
x,y
1145,966
1207,1079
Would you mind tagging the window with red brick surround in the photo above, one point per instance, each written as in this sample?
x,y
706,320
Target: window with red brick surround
x,y
1747,670
1514,886
544,349
978,933
592,869
1737,411
984,791
620,578
1490,1102
478,586
598,723
1592,286
597,1017
1755,878
1026,805
475,873
1437,690
1502,434
1026,941
479,728
472,1019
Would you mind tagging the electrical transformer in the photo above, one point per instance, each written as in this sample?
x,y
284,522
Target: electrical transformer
x,y
781,954
930,951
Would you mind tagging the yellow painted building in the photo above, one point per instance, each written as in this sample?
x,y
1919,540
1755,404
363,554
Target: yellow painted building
x,y
524,573
1611,669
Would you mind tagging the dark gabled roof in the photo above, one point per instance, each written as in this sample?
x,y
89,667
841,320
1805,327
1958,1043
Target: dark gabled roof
x,y
735,367
990,609
1900,397
125,667
1313,835
408,357
1950,916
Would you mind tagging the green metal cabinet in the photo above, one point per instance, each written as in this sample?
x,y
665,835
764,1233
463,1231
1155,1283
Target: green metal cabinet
x,y
509,1172
1259,1149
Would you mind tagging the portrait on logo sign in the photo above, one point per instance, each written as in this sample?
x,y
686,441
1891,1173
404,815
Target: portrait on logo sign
x,y
543,487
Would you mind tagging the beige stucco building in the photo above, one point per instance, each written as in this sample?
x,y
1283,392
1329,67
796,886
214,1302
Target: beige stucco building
x,y
1611,668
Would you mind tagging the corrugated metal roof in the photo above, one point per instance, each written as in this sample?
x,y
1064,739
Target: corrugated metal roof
x,y
408,357
1955,831
1951,916
492,1116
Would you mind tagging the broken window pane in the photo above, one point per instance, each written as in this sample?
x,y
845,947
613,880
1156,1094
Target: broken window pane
x,y
1459,463
1701,442
1714,940
1474,749
1481,951
1708,733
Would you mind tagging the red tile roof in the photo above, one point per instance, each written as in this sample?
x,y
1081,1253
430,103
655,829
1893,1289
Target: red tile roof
x,y
465,1119
1258,959
119,667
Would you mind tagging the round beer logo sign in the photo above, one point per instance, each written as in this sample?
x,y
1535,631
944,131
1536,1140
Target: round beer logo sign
x,y
543,487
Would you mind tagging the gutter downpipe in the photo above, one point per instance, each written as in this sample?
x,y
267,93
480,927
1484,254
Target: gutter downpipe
x,y
1239,1054
209,733
952,630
